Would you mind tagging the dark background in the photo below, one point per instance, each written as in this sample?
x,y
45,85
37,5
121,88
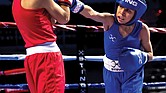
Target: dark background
x,y
154,16
11,43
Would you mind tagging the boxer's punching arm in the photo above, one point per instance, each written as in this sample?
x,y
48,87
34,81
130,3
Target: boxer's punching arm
x,y
88,12
61,13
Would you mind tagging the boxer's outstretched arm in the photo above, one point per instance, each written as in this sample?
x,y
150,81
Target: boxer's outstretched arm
x,y
88,12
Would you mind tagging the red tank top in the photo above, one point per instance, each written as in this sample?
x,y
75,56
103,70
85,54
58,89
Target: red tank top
x,y
34,24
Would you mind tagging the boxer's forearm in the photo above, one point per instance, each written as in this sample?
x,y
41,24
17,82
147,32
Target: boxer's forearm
x,y
90,13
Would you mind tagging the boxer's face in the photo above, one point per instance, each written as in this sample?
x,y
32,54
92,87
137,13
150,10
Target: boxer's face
x,y
124,15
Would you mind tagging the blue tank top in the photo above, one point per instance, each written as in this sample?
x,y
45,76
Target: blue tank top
x,y
114,42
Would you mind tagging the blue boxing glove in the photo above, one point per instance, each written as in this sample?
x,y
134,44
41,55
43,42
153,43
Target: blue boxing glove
x,y
132,59
77,6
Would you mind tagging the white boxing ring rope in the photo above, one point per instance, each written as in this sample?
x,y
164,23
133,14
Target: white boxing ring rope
x,y
73,27
153,85
71,58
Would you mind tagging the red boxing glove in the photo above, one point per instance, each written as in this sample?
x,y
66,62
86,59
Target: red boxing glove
x,y
66,2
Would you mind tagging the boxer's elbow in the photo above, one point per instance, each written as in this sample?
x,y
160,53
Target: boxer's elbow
x,y
64,20
65,15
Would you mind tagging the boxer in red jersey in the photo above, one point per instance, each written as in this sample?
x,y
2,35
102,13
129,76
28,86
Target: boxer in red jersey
x,y
44,63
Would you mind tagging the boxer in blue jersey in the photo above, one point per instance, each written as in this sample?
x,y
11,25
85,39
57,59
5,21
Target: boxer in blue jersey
x,y
127,45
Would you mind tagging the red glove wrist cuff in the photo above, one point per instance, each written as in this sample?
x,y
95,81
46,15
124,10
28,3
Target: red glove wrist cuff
x,y
65,2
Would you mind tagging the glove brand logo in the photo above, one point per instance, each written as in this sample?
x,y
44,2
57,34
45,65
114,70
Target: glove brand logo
x,y
131,2
112,38
77,8
140,59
